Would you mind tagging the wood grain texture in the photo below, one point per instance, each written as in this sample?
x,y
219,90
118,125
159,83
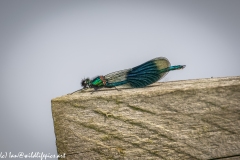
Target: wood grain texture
x,y
192,119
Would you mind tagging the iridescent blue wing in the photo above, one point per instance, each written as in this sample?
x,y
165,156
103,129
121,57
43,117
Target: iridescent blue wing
x,y
147,73
140,76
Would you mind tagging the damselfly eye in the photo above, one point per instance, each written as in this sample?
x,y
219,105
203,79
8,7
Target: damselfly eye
x,y
85,83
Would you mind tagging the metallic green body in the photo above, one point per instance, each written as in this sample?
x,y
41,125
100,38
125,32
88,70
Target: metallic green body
x,y
97,82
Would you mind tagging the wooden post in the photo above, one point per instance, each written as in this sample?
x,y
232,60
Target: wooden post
x,y
192,119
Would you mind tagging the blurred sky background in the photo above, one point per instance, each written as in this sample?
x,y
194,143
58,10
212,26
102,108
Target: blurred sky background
x,y
47,47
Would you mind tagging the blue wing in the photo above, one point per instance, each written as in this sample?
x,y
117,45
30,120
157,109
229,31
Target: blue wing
x,y
140,76
148,72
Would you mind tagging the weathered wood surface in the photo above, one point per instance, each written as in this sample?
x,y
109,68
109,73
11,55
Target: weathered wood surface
x,y
192,119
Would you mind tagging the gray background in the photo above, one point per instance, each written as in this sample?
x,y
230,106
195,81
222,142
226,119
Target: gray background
x,y
47,47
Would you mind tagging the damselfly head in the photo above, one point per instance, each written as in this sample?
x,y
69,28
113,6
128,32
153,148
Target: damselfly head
x,y
85,83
